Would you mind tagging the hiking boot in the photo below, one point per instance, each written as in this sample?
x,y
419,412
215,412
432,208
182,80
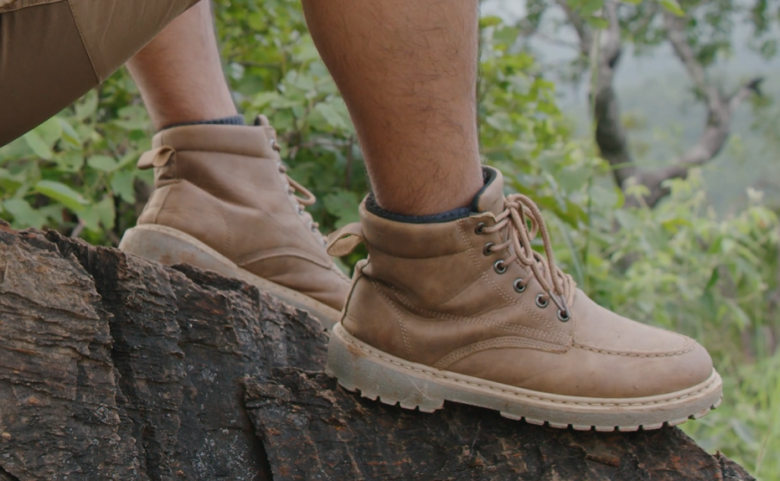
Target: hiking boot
x,y
223,202
465,310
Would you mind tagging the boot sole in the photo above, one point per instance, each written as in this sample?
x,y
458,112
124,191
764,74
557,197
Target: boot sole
x,y
360,367
171,246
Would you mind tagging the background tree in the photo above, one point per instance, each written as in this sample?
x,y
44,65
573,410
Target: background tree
x,y
699,32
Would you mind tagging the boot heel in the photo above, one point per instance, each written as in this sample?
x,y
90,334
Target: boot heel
x,y
360,370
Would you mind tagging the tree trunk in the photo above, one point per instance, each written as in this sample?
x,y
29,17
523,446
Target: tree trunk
x,y
113,367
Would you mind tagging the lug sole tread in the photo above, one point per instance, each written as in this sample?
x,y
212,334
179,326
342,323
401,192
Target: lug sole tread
x,y
537,422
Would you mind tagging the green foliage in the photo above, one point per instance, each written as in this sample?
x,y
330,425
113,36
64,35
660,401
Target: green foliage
x,y
710,25
677,266
75,172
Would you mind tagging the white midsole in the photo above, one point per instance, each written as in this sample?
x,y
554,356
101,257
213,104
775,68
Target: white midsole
x,y
171,246
375,373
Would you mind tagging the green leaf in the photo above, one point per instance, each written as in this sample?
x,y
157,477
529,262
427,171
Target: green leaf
x,y
589,7
106,212
69,161
332,116
90,217
122,186
24,214
62,194
490,21
586,7
673,7
103,163
38,145
87,105
714,277
598,22
344,206
50,131
69,134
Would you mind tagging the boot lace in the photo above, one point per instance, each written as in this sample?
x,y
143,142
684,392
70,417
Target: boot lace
x,y
294,188
519,224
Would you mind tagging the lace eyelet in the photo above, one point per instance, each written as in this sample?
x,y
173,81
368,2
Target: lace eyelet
x,y
541,302
499,266
479,229
519,286
561,317
488,250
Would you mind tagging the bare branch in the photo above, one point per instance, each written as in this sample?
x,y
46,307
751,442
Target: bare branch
x,y
610,38
675,32
580,26
604,52
752,87
611,136
710,143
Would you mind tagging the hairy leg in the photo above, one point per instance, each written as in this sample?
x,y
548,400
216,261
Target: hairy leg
x,y
407,70
179,73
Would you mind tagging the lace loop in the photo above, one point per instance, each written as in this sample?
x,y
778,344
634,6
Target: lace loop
x,y
520,222
294,188
308,198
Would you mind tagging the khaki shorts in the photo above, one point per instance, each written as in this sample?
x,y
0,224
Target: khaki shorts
x,y
54,51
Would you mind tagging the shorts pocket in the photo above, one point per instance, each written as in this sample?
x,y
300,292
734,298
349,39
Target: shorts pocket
x,y
11,5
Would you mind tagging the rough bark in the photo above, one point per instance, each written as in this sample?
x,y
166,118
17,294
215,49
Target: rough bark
x,y
112,367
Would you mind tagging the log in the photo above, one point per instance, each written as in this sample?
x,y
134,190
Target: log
x,y
114,367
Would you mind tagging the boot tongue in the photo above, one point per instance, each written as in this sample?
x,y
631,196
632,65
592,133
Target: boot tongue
x,y
491,197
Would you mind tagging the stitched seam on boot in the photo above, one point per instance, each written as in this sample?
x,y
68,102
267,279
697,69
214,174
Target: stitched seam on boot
x,y
384,357
248,259
511,328
634,353
357,277
472,280
497,343
398,316
513,301
162,205
688,346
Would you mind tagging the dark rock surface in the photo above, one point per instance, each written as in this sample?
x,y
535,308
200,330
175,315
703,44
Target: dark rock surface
x,y
113,367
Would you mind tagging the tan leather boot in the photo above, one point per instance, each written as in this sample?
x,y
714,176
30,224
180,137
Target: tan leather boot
x,y
465,311
223,202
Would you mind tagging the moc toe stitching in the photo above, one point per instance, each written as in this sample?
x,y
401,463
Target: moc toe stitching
x,y
495,343
634,354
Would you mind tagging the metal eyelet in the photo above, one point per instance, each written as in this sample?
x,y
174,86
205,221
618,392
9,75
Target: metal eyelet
x,y
488,250
479,229
539,303
562,318
519,286
499,266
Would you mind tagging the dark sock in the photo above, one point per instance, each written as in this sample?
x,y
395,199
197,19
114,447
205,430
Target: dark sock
x,y
233,120
450,215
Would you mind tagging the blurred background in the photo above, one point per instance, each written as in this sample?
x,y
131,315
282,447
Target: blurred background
x,y
646,130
